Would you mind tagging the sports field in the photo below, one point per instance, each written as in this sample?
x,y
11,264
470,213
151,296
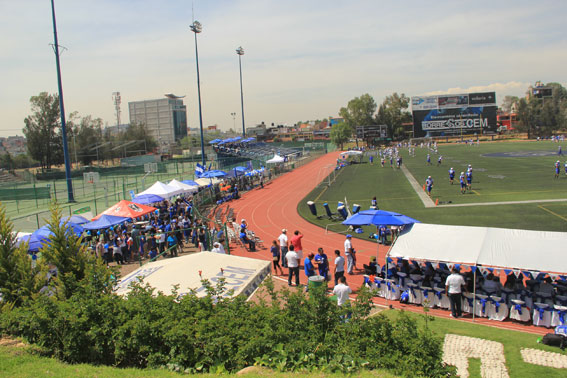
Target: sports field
x,y
503,173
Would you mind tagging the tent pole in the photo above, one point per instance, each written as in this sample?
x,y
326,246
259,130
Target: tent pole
x,y
474,293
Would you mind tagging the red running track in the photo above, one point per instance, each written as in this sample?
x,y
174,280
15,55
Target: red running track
x,y
274,207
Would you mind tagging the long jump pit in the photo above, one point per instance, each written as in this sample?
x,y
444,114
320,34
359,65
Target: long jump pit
x,y
242,274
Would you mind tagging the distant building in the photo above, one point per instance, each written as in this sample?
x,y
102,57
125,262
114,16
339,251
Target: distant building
x,y
165,118
117,129
13,145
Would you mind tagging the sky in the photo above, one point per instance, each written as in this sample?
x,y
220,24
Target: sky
x,y
304,60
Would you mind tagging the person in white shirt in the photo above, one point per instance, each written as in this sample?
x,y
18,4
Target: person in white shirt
x,y
349,253
339,266
218,248
282,240
293,265
453,288
342,291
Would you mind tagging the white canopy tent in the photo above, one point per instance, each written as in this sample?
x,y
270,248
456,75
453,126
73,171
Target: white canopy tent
x,y
186,188
207,181
351,153
276,159
542,251
242,274
162,190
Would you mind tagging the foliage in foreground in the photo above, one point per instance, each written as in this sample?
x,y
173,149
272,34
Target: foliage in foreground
x,y
217,334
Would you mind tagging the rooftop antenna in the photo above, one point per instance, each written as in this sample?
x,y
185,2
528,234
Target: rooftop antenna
x,y
117,101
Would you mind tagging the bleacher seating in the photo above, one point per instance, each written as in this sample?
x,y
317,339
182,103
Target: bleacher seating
x,y
256,151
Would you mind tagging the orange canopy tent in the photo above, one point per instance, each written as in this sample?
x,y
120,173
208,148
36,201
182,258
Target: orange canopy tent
x,y
127,209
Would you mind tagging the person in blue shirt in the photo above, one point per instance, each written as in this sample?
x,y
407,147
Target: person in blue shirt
x,y
463,183
557,168
429,185
371,159
309,268
172,245
428,159
451,175
469,179
322,263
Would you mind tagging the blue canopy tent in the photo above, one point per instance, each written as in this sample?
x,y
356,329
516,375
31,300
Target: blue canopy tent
x,y
213,173
378,218
41,236
214,141
190,182
75,219
105,221
146,199
237,171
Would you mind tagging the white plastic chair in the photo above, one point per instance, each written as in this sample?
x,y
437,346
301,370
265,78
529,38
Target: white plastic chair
x,y
519,311
468,303
542,315
559,316
441,299
392,290
415,296
481,305
497,309
427,297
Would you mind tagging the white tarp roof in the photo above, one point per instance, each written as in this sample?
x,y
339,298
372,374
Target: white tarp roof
x,y
352,152
207,181
186,188
242,274
276,159
162,190
542,251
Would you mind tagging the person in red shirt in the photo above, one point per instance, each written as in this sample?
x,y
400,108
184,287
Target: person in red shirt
x,y
296,242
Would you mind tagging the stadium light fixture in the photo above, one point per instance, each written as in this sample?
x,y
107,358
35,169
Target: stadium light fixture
x,y
240,52
197,28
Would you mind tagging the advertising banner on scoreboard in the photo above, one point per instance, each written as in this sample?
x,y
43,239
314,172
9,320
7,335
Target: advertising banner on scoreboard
x,y
454,114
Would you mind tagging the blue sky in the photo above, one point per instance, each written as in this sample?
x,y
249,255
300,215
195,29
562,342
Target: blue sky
x,y
303,59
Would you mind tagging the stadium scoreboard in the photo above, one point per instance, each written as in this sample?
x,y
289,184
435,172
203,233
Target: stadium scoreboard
x,y
454,114
372,132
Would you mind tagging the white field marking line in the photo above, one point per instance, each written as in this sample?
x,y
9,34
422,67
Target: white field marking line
x,y
427,201
502,203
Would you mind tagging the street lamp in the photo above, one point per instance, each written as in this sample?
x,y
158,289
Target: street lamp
x,y
233,114
196,28
240,52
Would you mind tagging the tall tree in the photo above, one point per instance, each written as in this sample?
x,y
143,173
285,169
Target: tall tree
x,y
393,113
19,278
542,116
340,134
359,112
42,130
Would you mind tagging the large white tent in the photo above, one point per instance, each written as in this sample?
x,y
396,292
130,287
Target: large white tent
x,y
542,251
162,190
275,160
186,188
242,274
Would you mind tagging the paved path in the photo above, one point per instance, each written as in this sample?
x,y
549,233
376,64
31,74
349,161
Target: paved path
x,y
427,201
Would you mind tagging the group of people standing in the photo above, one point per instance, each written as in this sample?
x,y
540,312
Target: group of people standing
x,y
289,252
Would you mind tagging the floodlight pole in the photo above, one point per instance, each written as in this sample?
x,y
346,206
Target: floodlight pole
x,y
196,28
240,52
70,196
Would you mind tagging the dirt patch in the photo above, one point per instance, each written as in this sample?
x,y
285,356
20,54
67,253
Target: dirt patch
x,y
10,342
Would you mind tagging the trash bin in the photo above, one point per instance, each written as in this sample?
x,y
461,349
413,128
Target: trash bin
x,y
355,208
316,281
312,207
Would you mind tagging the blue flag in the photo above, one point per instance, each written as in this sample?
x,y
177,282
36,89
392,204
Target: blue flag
x,y
199,170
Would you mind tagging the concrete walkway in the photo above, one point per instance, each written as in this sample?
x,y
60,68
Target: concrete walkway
x,y
427,201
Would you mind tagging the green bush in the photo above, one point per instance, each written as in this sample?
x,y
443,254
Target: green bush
x,y
216,333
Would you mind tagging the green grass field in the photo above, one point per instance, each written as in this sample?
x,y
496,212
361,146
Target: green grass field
x,y
495,179
512,341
